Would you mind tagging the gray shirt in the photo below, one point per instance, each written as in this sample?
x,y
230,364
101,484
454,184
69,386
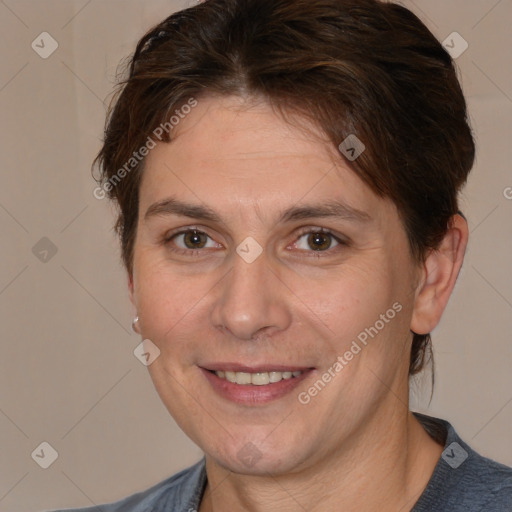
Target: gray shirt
x,y
463,481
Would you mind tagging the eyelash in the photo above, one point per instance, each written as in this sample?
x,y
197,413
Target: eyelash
x,y
320,254
178,250
304,231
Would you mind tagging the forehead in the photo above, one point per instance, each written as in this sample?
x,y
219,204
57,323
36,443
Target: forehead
x,y
230,151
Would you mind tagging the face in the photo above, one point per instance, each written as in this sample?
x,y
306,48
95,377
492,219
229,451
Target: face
x,y
260,257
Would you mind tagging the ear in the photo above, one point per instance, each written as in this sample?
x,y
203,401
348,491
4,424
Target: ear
x,y
438,276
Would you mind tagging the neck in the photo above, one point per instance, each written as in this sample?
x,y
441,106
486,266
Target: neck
x,y
386,468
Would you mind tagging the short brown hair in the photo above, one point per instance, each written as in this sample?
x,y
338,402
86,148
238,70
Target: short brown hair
x,y
362,67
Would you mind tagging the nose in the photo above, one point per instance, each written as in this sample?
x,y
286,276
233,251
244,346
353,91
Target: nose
x,y
251,300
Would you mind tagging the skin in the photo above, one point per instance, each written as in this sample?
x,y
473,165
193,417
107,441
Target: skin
x,y
355,446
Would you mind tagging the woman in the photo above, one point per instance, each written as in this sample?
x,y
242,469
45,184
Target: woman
x,y
287,176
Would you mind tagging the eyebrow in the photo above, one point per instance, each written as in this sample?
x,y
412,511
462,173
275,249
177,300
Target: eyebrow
x,y
334,209
172,206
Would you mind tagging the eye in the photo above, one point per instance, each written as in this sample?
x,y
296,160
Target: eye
x,y
192,239
317,240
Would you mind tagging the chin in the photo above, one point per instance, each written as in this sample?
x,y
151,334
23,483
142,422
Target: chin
x,y
250,457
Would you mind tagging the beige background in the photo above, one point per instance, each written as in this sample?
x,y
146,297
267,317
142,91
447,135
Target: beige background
x,y
67,372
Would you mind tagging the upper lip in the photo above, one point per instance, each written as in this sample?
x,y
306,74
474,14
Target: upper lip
x,y
260,368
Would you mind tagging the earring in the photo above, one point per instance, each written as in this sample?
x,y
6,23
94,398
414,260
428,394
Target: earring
x,y
135,321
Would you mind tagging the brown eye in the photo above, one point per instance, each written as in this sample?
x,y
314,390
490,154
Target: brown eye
x,y
191,239
319,241
316,240
195,239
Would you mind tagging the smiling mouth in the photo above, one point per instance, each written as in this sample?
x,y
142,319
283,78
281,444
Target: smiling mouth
x,y
256,385
256,378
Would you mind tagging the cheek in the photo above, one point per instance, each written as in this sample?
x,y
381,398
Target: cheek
x,y
348,302
368,316
167,301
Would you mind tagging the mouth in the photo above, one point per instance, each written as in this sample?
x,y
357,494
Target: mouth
x,y
254,385
256,378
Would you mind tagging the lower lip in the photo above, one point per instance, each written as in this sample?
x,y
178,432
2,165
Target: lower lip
x,y
249,394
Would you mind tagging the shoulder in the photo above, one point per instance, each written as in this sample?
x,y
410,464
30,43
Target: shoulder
x,y
464,480
487,483
181,492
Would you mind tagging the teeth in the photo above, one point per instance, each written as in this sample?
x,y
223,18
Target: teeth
x,y
260,379
243,378
256,379
231,376
275,376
